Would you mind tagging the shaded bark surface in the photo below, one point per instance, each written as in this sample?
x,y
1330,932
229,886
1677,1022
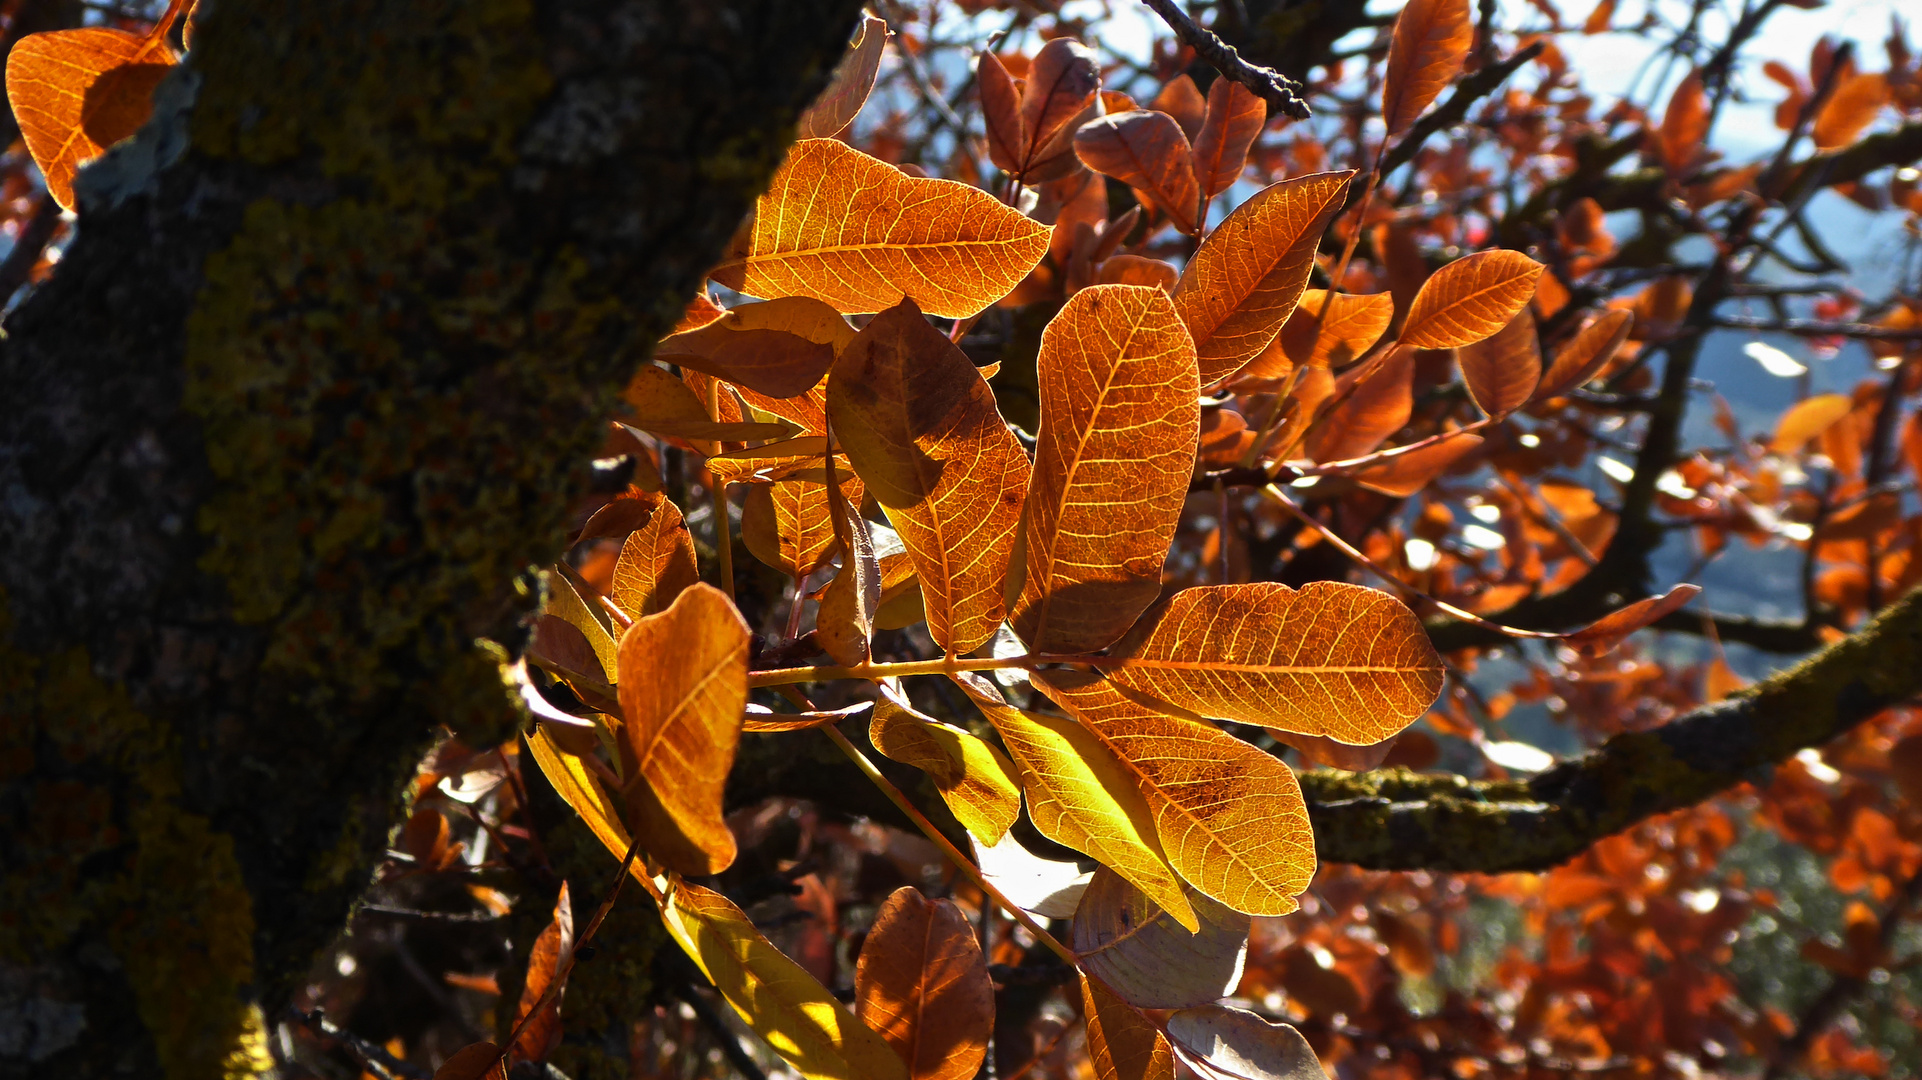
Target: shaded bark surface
x,y
307,395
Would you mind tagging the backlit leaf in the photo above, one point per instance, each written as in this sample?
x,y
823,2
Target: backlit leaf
x,y
1502,371
1122,1044
849,86
1808,418
922,983
1333,659
1431,40
844,624
549,957
1136,270
656,562
77,92
1180,99
1001,110
1119,421
1350,328
478,1061
783,1004
976,782
1080,796
787,524
1135,948
565,603
1469,299
1230,818
1379,398
1402,472
778,347
1246,277
921,429
1234,119
582,790
1062,83
859,234
1221,1043
1147,151
1684,124
1585,354
1607,632
683,686
1850,109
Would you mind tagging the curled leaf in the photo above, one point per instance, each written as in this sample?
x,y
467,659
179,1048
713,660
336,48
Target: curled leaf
x,y
849,86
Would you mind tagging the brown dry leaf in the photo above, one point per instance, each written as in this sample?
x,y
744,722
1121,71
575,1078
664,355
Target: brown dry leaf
x,y
1850,109
1001,110
1145,957
1122,1044
1231,819
1081,796
1147,151
1180,99
848,88
974,779
1470,299
1221,1043
1403,472
77,92
1502,371
1233,121
477,1061
1245,278
1684,130
1905,767
778,347
1806,419
1431,41
859,234
844,624
1137,270
656,563
549,957
1061,86
683,686
1608,631
1592,347
1350,328
921,429
1119,420
1379,399
783,1004
922,983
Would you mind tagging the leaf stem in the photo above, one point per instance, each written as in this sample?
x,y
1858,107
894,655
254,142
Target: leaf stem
x,y
946,665
961,862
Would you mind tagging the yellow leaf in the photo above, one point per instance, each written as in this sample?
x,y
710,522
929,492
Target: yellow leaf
x,y
1080,796
857,233
1333,659
920,427
774,996
565,602
1231,819
582,790
922,983
77,92
1469,299
976,782
656,562
1246,277
683,688
1119,423
1122,1044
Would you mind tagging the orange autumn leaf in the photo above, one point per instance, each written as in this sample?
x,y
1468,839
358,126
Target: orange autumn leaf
x,y
1180,99
848,88
1122,1043
683,685
844,622
1119,420
1470,299
1808,418
1349,328
922,984
77,92
1137,270
1608,631
1146,150
1684,127
1245,278
1061,86
551,954
1001,113
1332,659
1376,399
921,430
1501,371
656,563
859,234
1233,120
1430,42
779,347
1230,818
1592,347
477,1061
1402,472
1850,109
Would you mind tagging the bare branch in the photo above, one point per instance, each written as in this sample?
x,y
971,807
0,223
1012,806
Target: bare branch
x,y
1282,93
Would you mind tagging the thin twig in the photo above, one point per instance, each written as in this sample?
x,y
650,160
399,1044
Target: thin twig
x,y
1280,92
371,1057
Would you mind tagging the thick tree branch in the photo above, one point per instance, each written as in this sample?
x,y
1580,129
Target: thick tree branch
x,y
1393,819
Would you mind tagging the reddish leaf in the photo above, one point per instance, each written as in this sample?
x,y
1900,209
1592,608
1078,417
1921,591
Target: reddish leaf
x,y
1147,151
1608,631
1233,121
545,964
1431,41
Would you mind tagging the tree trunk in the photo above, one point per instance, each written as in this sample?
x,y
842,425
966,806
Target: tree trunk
x,y
305,399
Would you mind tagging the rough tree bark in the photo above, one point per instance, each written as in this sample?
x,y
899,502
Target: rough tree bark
x,y
303,402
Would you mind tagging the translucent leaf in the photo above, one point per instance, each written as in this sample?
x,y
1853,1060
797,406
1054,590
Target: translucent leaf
x,y
549,957
1469,299
1233,120
1592,347
922,983
848,88
1808,418
77,92
778,347
976,782
656,563
1122,1044
1146,150
1501,371
1350,328
1430,42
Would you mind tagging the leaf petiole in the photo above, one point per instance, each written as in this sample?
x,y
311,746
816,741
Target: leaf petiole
x,y
947,665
